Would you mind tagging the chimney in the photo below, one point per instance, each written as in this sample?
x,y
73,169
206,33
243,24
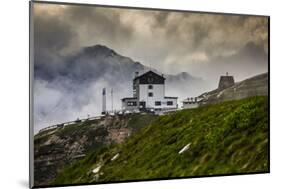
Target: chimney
x,y
103,101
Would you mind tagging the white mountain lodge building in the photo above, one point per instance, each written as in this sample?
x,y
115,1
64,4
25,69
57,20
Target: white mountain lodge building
x,y
149,94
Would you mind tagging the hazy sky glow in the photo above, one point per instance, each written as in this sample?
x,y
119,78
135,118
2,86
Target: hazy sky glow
x,y
204,45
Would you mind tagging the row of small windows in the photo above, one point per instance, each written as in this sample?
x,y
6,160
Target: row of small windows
x,y
157,103
132,103
169,103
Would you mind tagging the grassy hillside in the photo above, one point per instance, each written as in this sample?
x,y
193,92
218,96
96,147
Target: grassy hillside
x,y
58,147
229,137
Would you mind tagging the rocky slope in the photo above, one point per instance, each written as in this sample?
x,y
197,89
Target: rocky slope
x,y
56,148
254,86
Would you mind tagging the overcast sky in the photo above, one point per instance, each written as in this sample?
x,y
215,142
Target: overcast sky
x,y
204,45
168,41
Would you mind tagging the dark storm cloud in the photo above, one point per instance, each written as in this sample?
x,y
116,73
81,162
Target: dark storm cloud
x,y
61,31
51,35
205,31
51,32
96,21
161,19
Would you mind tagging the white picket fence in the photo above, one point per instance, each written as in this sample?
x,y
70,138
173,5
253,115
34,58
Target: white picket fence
x,y
70,123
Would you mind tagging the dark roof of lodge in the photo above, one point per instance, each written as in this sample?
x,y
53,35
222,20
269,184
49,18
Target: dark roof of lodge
x,y
150,77
170,97
129,98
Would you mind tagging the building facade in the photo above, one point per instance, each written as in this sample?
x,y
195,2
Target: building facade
x,y
191,102
149,94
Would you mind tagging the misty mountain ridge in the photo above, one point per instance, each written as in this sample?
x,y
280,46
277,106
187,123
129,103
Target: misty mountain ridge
x,y
110,57
92,62
99,62
74,86
98,50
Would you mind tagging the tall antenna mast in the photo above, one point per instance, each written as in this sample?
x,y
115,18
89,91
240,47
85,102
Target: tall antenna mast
x,y
112,100
103,101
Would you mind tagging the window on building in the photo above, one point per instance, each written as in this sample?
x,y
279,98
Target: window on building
x,y
150,94
142,104
157,103
132,103
150,86
170,103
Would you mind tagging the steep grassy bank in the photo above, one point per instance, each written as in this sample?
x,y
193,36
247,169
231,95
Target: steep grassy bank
x,y
56,148
229,137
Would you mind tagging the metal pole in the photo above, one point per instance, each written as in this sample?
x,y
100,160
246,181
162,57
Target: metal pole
x,y
103,101
112,100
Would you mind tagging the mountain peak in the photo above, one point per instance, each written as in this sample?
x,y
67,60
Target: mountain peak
x,y
99,50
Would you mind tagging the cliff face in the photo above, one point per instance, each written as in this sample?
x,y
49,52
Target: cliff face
x,y
255,86
61,146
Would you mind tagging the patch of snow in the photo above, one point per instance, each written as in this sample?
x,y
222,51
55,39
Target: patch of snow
x,y
115,157
220,93
97,169
186,147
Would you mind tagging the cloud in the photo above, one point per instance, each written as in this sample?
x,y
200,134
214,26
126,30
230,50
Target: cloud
x,y
56,103
131,32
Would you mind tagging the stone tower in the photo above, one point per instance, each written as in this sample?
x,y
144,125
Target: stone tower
x,y
226,81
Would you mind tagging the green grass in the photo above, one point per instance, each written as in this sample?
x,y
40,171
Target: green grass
x,y
226,138
137,121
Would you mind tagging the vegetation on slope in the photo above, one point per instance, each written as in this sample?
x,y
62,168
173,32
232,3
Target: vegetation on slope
x,y
58,147
225,138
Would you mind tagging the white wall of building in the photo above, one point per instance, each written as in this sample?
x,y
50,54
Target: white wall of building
x,y
131,107
165,106
158,94
189,105
158,91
